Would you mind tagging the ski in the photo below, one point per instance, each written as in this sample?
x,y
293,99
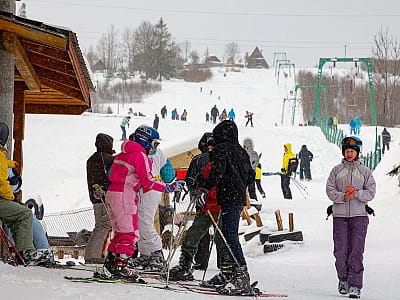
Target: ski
x,y
173,286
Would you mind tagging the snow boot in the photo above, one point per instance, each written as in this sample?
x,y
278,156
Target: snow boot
x,y
219,279
354,292
239,284
141,262
115,268
156,261
343,287
183,270
40,257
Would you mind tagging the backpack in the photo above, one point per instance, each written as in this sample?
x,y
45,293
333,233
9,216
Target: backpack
x,y
14,179
292,165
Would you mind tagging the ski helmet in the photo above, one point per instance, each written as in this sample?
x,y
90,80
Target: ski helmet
x,y
146,136
351,142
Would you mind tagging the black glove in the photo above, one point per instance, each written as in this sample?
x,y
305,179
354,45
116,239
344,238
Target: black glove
x,y
201,195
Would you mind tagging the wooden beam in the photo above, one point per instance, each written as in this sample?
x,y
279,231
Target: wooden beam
x,y
58,86
22,63
56,40
45,50
55,109
49,62
49,74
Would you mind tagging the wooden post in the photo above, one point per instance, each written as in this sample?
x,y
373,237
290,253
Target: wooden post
x,y
60,254
245,215
258,220
291,224
278,220
75,254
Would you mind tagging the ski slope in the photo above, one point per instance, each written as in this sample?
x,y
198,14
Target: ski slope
x,y
56,149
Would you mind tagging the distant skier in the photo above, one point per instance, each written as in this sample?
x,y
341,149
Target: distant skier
x,y
156,121
163,112
305,157
386,139
249,117
231,115
214,114
124,122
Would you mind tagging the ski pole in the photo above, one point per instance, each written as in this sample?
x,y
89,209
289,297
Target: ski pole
x,y
211,246
229,248
6,239
302,192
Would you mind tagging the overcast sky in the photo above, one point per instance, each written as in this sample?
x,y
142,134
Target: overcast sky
x,y
303,29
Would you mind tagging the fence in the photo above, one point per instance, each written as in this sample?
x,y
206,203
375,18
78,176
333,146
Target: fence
x,y
334,135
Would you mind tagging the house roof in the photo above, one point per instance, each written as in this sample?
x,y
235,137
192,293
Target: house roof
x,y
49,66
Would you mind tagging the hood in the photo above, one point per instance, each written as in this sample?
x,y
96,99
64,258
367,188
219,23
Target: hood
x,y
289,147
203,142
129,146
304,148
104,143
226,132
248,144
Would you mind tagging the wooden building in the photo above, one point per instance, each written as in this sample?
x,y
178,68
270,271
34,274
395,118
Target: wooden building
x,y
50,74
256,60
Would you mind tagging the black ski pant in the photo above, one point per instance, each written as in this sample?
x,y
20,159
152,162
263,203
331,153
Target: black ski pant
x,y
305,171
285,182
252,190
259,187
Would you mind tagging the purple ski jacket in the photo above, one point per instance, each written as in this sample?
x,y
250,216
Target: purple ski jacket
x,y
355,174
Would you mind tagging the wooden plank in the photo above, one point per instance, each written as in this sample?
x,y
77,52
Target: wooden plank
x,y
45,50
49,62
51,74
22,62
55,109
26,32
73,93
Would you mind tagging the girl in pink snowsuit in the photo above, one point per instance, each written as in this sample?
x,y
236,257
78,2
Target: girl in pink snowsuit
x,y
131,170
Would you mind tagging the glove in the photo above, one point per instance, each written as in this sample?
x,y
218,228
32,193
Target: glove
x,y
350,192
201,196
175,186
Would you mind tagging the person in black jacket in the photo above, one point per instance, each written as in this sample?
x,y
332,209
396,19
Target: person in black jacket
x,y
231,173
305,156
386,139
97,170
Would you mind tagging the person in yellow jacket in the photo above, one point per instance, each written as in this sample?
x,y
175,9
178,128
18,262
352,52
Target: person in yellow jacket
x,y
16,216
286,172
258,178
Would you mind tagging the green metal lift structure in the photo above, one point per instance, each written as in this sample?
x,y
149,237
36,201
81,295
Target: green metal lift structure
x,y
322,62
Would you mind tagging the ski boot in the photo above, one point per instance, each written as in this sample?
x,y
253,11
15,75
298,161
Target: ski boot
x,y
39,257
183,270
219,279
141,262
115,267
239,284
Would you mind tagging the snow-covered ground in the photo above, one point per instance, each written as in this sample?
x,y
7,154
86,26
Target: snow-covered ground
x,y
56,149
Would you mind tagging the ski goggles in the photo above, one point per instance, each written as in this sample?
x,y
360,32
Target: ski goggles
x,y
351,141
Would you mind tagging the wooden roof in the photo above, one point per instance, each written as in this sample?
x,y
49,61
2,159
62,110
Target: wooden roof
x,y
49,66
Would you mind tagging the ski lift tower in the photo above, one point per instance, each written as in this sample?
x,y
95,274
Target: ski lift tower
x,y
322,62
278,56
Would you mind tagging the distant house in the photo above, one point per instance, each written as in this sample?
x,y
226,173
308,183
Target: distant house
x,y
99,66
231,63
213,61
256,60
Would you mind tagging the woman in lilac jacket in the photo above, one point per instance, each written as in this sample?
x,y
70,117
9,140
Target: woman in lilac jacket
x,y
350,186
130,171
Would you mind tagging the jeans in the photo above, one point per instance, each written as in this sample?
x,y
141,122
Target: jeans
x,y
39,236
123,132
230,216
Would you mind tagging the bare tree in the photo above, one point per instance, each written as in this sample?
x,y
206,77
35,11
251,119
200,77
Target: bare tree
x,y
232,50
91,57
107,47
386,65
128,47
186,48
194,57
144,41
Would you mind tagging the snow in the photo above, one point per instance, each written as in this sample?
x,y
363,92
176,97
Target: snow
x,y
56,148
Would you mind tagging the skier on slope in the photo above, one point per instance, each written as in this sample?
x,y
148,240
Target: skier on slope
x,y
285,172
150,243
305,157
197,240
231,173
130,172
